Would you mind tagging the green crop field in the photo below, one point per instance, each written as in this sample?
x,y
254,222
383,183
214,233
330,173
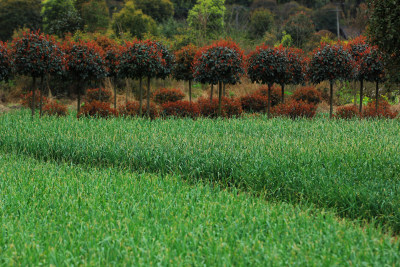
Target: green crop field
x,y
248,191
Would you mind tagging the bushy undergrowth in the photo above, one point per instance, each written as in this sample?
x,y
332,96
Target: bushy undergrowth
x,y
295,109
83,215
54,108
349,166
164,95
26,99
98,94
384,110
347,112
307,94
131,109
183,109
97,109
230,107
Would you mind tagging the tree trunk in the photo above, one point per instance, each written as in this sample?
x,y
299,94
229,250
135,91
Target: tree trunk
x,y
140,96
220,99
361,95
148,97
212,92
127,88
331,100
269,100
224,90
377,97
355,93
79,97
190,91
283,93
41,96
33,96
113,84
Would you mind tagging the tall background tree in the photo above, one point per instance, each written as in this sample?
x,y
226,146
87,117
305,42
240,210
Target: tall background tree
x,y
300,27
60,17
134,21
95,15
383,29
206,18
16,14
159,10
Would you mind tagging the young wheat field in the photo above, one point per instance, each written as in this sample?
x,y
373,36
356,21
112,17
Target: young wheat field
x,y
179,192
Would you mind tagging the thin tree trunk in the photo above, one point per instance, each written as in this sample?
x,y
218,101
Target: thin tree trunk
x,y
224,90
190,91
355,93
331,100
212,92
127,88
140,96
33,96
148,97
220,99
79,98
269,100
377,97
283,93
41,96
361,95
113,84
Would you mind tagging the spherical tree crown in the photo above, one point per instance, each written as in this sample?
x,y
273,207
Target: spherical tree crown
x,y
297,66
184,59
357,46
5,62
223,61
85,60
269,65
369,66
168,60
330,63
141,59
35,54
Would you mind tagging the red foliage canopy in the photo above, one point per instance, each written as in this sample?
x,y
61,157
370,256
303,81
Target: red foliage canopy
x,y
269,65
5,62
184,61
35,54
85,60
223,61
330,63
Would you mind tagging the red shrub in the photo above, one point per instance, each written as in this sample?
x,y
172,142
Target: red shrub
x,y
54,108
132,109
27,99
207,108
164,95
347,112
98,94
307,94
230,107
276,94
254,103
384,110
97,109
180,109
295,109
